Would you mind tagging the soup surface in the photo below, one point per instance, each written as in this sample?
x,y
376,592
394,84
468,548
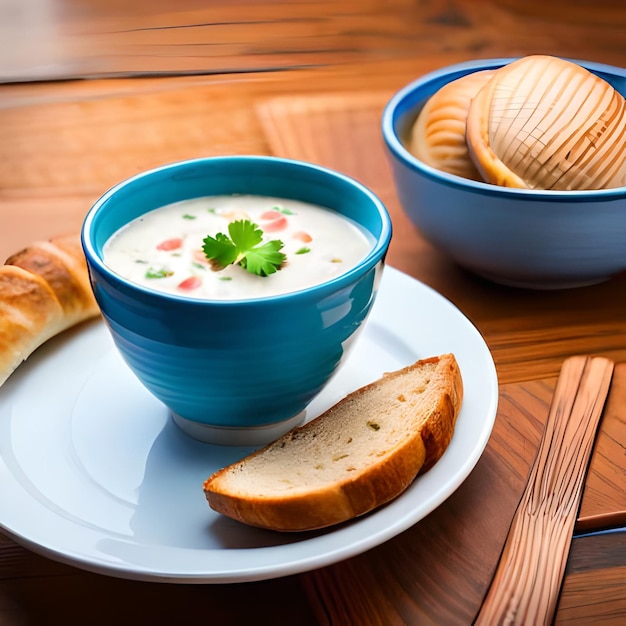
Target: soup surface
x,y
163,249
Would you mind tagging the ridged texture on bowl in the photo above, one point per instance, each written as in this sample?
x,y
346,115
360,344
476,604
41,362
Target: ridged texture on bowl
x,y
240,363
237,366
545,123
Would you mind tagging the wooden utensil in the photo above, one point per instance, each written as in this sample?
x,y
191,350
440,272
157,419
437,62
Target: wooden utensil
x,y
527,580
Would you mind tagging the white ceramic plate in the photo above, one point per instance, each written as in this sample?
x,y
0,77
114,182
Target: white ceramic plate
x,y
94,473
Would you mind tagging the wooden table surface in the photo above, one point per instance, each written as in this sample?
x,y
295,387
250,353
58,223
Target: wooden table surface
x,y
94,91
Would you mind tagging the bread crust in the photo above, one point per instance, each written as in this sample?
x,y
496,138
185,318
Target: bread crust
x,y
44,290
343,499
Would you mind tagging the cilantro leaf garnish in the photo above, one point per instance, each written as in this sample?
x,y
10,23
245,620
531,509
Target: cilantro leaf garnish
x,y
265,259
244,246
220,250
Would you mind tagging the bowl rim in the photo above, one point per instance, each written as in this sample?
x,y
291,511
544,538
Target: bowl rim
x,y
391,115
375,255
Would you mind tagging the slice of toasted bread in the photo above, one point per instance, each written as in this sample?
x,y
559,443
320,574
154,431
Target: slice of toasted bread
x,y
358,455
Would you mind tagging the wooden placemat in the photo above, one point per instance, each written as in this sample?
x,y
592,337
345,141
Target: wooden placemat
x,y
446,564
342,131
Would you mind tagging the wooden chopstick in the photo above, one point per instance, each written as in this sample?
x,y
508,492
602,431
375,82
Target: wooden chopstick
x,y
528,577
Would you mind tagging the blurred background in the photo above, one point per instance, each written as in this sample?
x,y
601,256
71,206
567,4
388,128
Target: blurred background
x,y
66,39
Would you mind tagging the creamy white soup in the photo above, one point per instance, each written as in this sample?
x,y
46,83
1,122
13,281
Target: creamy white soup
x,y
163,249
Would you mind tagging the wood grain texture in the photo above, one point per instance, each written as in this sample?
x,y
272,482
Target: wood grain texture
x,y
594,589
526,584
35,591
604,499
68,39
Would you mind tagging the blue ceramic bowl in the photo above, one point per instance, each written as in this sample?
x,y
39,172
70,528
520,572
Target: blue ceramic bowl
x,y
235,372
527,238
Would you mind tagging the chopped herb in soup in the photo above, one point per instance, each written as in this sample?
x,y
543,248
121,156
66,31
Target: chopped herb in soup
x,y
234,247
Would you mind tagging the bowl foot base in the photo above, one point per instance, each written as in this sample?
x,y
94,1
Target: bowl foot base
x,y
237,436
542,285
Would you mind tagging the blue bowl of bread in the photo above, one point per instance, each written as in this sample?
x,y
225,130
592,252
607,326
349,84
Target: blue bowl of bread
x,y
515,168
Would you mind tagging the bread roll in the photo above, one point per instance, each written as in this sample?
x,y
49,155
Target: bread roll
x,y
438,135
44,290
547,123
